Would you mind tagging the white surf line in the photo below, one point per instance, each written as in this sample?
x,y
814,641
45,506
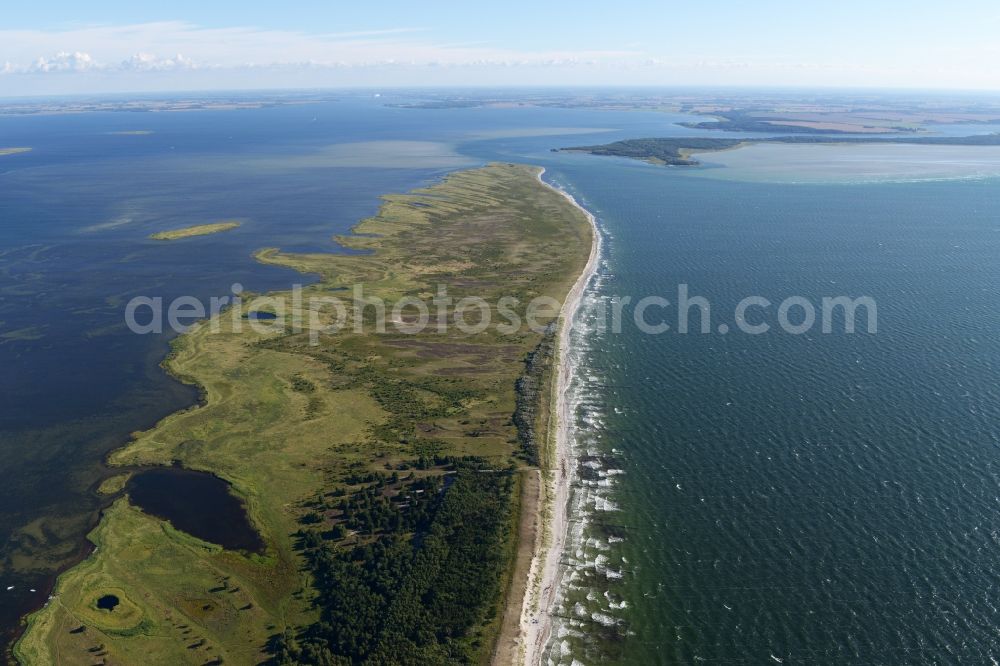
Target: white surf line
x,y
544,572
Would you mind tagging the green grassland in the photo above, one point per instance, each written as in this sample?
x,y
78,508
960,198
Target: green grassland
x,y
196,230
339,451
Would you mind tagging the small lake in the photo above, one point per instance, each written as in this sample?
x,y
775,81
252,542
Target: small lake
x,y
197,503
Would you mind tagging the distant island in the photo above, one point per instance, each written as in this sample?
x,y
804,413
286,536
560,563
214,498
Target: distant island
x,y
677,151
131,133
194,102
13,151
806,123
196,230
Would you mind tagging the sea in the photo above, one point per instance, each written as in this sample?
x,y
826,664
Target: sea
x,y
797,495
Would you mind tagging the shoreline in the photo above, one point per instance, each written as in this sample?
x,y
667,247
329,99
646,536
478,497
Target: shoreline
x,y
85,548
544,572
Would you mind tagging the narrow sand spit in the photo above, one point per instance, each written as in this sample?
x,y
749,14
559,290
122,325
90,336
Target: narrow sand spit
x,y
543,576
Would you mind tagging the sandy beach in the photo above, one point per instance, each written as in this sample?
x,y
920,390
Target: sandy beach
x,y
553,504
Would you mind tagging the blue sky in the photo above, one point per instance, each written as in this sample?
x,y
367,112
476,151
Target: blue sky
x,y
62,46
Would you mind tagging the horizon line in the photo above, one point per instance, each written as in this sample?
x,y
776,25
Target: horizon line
x,y
525,87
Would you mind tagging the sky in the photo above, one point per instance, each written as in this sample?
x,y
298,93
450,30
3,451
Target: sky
x,y
62,46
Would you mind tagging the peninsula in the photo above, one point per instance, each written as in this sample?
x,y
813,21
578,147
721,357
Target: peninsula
x,y
393,478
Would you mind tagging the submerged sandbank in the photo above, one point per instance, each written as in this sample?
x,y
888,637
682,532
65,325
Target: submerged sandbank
x,y
196,230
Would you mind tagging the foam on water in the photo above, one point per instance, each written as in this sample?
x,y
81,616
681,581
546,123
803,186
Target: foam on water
x,y
588,606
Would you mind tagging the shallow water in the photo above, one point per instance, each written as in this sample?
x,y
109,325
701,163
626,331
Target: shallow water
x,y
862,163
75,218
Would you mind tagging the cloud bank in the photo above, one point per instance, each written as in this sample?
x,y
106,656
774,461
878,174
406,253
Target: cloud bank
x,y
175,55
137,47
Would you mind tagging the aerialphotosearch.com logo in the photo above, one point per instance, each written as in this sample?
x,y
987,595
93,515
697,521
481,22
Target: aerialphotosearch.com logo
x,y
322,314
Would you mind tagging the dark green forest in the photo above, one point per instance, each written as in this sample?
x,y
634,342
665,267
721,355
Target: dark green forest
x,y
409,567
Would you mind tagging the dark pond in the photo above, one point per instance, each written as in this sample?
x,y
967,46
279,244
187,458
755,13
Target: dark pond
x,y
197,503
262,315
107,602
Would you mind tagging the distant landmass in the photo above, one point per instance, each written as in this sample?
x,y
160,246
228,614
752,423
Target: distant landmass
x,y
748,121
676,151
227,102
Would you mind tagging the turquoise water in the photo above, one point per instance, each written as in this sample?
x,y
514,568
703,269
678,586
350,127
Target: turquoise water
x,y
740,499
803,164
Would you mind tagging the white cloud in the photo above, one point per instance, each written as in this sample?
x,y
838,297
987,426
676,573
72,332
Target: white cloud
x,y
142,57
63,61
131,46
147,62
81,61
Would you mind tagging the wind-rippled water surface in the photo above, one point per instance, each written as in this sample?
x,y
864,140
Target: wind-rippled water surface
x,y
779,498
